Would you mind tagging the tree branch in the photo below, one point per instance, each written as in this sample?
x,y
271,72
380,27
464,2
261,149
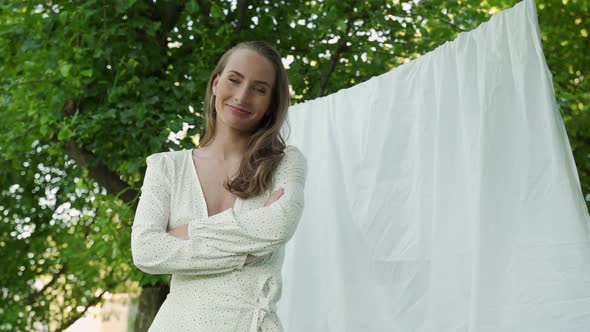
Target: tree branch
x,y
77,316
167,12
242,11
205,7
33,296
340,46
102,174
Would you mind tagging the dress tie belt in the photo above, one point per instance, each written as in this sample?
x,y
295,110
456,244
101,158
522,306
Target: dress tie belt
x,y
261,309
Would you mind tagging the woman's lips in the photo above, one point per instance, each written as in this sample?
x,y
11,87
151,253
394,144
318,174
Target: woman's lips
x,y
238,110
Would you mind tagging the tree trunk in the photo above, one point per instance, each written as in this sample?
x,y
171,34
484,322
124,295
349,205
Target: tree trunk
x,y
150,300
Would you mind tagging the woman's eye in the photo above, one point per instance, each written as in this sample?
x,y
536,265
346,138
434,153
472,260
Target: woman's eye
x,y
261,91
233,80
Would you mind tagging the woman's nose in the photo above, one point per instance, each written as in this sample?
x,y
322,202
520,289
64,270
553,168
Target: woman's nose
x,y
242,95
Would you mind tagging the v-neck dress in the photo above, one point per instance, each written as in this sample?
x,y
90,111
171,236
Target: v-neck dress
x,y
212,289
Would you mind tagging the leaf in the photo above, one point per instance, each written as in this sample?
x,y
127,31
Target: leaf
x,y
86,72
64,69
192,6
64,133
123,5
216,11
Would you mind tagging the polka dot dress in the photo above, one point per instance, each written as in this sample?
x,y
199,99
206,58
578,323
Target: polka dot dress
x,y
212,289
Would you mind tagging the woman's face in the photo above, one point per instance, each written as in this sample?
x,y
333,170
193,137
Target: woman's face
x,y
243,90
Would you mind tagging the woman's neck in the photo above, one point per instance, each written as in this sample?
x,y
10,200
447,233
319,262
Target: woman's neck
x,y
227,145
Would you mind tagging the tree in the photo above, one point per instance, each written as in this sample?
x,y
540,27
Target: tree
x,y
90,88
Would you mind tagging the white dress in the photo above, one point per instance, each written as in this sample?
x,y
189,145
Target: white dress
x,y
211,289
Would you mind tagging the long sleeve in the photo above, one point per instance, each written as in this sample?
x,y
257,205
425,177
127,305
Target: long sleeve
x,y
155,251
261,231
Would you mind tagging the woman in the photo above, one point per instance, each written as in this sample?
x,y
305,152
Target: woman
x,y
217,218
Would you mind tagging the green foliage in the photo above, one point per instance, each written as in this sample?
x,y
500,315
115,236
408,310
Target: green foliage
x,y
114,79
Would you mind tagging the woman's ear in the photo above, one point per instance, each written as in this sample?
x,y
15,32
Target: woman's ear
x,y
214,85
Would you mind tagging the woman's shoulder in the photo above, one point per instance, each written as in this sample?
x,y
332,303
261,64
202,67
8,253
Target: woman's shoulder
x,y
293,154
166,160
167,155
292,159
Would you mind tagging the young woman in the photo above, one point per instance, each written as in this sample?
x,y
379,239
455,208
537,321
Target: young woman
x,y
217,217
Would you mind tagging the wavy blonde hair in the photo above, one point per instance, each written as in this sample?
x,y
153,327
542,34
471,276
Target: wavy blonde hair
x,y
266,145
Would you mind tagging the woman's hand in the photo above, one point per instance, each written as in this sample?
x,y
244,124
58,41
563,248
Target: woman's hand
x,y
180,232
250,259
274,196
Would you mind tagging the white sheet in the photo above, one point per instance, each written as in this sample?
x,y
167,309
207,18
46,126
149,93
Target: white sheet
x,y
442,196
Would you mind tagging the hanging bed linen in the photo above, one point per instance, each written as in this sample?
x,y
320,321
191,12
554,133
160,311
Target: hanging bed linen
x,y
442,196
